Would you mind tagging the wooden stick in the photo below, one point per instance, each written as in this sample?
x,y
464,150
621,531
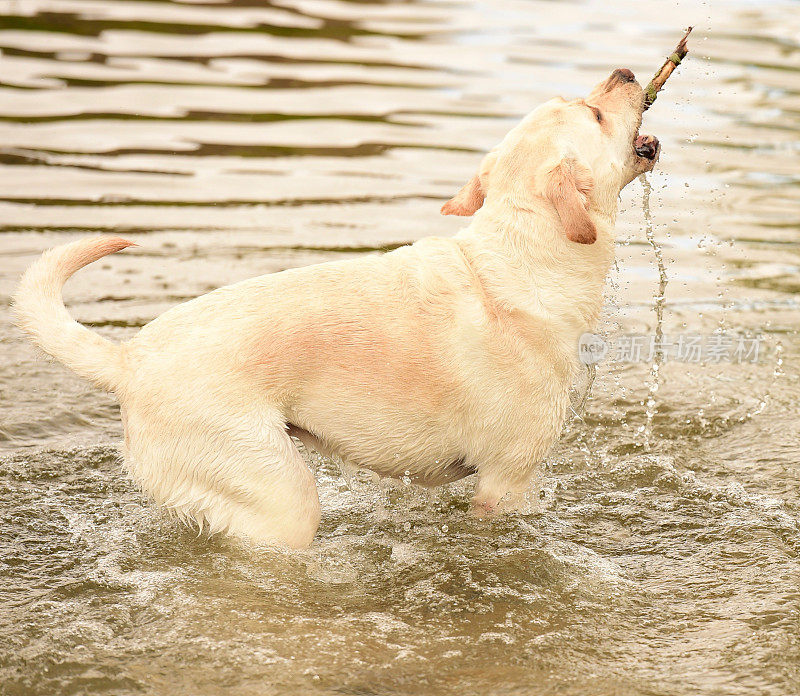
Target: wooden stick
x,y
674,60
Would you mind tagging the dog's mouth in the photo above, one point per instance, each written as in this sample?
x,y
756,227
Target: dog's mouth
x,y
646,146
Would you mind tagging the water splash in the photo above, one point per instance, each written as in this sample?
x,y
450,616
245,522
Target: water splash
x,y
763,402
659,301
591,373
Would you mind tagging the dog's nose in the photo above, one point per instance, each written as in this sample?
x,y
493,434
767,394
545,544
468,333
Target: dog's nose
x,y
623,75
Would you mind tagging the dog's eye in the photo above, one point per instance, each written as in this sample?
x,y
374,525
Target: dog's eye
x,y
597,115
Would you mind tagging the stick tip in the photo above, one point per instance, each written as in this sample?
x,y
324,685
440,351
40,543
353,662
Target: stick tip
x,y
681,48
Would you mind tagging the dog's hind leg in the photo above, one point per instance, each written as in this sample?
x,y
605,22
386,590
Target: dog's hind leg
x,y
247,479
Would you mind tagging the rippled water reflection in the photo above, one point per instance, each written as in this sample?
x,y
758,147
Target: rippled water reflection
x,y
236,138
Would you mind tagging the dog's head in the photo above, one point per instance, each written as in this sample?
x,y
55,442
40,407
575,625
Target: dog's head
x,y
574,155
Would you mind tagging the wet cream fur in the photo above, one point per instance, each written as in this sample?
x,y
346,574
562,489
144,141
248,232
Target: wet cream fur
x,y
441,359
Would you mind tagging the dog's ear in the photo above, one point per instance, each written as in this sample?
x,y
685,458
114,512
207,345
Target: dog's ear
x,y
569,185
472,194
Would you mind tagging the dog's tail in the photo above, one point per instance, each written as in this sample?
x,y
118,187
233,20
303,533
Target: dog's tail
x,y
40,312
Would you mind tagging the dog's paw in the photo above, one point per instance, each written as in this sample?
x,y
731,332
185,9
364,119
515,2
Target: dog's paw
x,y
483,508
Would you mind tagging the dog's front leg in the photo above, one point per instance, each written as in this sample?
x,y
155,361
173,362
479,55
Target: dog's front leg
x,y
501,489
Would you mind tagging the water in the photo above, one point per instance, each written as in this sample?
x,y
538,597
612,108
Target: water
x,y
234,139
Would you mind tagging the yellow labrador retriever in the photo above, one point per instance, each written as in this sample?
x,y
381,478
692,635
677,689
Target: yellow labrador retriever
x,y
449,357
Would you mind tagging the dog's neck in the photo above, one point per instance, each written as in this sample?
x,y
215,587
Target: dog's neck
x,y
526,263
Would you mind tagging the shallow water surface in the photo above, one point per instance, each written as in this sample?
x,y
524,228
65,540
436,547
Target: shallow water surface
x,y
231,139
